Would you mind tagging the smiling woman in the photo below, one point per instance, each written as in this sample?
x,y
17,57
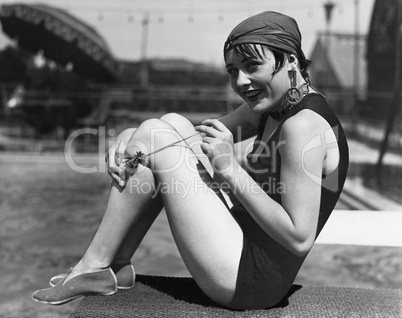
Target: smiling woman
x,y
243,232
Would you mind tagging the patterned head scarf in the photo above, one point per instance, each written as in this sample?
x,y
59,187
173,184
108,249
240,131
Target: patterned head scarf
x,y
269,28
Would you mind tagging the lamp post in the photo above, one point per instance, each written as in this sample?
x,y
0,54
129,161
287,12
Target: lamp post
x,y
144,76
328,7
144,36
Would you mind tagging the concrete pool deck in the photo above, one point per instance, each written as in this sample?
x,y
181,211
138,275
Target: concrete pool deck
x,y
370,228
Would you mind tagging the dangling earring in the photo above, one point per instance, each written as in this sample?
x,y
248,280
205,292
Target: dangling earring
x,y
294,94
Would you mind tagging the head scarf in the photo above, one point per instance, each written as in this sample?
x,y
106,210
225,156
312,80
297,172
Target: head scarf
x,y
269,28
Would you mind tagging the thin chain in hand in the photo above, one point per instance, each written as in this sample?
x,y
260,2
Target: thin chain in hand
x,y
139,157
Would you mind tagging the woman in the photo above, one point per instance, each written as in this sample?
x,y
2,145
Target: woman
x,y
245,252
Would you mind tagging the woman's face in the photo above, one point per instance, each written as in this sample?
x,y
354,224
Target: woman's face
x,y
252,80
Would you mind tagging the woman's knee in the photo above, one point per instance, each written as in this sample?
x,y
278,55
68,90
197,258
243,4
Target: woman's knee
x,y
178,121
155,134
185,128
155,129
153,123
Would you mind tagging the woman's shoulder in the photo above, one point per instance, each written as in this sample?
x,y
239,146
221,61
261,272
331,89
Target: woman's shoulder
x,y
301,133
305,122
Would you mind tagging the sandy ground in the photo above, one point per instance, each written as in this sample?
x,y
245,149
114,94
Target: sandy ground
x,y
48,214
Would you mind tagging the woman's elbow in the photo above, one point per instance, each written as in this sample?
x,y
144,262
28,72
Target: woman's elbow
x,y
302,248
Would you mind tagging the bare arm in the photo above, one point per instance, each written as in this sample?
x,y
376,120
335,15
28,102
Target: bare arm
x,y
294,224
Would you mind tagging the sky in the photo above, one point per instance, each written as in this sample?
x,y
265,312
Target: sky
x,y
196,30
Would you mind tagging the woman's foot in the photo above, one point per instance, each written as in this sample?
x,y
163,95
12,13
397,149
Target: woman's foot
x,y
78,283
124,272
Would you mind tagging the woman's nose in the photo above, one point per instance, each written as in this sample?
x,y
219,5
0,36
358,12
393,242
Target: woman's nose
x,y
242,79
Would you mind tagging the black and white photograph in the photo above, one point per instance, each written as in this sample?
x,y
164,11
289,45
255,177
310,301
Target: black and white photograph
x,y
178,158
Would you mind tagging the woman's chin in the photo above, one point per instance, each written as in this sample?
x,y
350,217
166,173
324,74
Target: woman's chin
x,y
260,106
258,109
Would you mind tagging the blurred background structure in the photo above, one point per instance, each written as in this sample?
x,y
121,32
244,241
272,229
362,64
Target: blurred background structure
x,y
60,74
109,65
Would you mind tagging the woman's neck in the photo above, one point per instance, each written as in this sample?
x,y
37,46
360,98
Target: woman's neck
x,y
291,98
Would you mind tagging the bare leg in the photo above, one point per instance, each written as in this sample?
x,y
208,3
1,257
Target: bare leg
x,y
208,238
123,209
136,216
138,231
93,274
140,228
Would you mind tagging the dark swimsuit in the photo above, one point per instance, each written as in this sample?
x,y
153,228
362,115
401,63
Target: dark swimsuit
x,y
267,269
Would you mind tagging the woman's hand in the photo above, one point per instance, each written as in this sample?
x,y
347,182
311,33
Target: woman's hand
x,y
217,145
115,157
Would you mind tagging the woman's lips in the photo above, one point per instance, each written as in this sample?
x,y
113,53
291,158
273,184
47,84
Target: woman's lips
x,y
253,95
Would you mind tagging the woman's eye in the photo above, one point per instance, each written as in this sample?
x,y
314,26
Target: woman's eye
x,y
232,71
251,66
